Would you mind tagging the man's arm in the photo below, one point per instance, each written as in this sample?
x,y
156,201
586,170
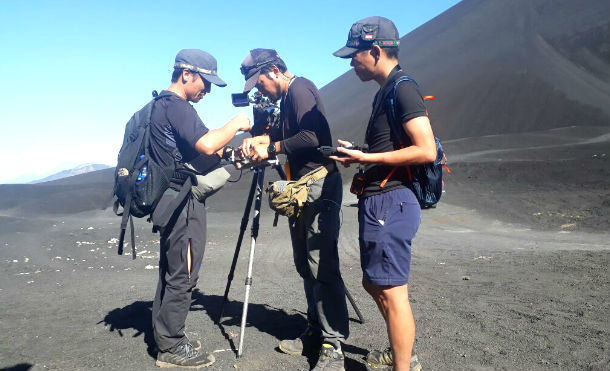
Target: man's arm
x,y
309,120
214,140
422,150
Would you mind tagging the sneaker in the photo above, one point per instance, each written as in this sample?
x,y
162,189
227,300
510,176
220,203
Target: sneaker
x,y
330,359
414,364
380,359
184,356
196,344
308,342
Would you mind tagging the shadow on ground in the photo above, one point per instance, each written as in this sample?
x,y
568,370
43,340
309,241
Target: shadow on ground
x,y
264,318
137,316
18,367
268,319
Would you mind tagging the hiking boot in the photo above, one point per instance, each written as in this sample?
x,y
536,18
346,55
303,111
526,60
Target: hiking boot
x,y
308,342
380,359
330,359
184,356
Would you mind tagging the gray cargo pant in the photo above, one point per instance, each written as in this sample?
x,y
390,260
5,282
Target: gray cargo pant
x,y
315,236
173,297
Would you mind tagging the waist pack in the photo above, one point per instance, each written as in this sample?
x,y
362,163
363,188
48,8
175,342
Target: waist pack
x,y
289,197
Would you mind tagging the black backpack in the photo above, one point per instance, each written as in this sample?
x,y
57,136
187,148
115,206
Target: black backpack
x,y
426,181
139,181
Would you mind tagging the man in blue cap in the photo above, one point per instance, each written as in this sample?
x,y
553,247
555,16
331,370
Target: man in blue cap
x,y
388,212
178,136
315,233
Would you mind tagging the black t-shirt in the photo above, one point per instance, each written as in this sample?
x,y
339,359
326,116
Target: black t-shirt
x,y
175,128
303,128
408,104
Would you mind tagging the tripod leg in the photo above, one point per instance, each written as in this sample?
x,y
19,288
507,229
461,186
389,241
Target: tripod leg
x,y
280,172
242,229
255,225
353,303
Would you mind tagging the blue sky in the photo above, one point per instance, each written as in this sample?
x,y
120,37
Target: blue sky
x,y
73,72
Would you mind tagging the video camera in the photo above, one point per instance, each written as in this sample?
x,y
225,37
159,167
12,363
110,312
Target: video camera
x,y
266,114
266,118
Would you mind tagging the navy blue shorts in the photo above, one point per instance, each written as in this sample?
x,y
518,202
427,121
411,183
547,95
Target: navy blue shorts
x,y
388,223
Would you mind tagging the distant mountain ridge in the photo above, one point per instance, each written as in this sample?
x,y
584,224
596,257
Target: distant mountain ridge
x,y
80,169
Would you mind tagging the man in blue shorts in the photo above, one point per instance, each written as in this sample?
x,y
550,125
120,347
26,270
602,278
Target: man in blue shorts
x,y
388,212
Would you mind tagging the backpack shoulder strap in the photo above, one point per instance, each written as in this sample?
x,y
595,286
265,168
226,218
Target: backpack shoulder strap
x,y
395,126
390,105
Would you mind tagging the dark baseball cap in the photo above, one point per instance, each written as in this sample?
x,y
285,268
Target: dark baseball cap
x,y
368,32
201,62
254,62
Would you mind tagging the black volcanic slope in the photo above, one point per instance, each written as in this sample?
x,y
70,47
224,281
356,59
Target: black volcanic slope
x,y
63,196
497,67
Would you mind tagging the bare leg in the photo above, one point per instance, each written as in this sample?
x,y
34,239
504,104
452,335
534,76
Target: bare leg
x,y
393,303
374,292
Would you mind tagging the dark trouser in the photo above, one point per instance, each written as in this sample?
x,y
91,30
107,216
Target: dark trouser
x,y
173,297
315,236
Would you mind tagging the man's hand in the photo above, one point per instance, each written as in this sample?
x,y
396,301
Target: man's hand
x,y
248,144
241,122
259,152
349,155
215,139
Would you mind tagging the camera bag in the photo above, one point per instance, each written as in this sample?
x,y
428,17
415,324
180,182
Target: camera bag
x,y
289,197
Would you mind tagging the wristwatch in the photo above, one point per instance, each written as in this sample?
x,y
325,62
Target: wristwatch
x,y
271,150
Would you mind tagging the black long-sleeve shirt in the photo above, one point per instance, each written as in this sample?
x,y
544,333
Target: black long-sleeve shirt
x,y
303,128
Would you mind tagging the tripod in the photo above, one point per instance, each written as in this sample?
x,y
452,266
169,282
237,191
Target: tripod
x,y
255,194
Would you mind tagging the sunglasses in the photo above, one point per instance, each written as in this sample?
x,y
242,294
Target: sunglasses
x,y
246,69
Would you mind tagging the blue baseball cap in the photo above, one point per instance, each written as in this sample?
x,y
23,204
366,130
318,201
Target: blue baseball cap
x,y
253,64
368,32
201,62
